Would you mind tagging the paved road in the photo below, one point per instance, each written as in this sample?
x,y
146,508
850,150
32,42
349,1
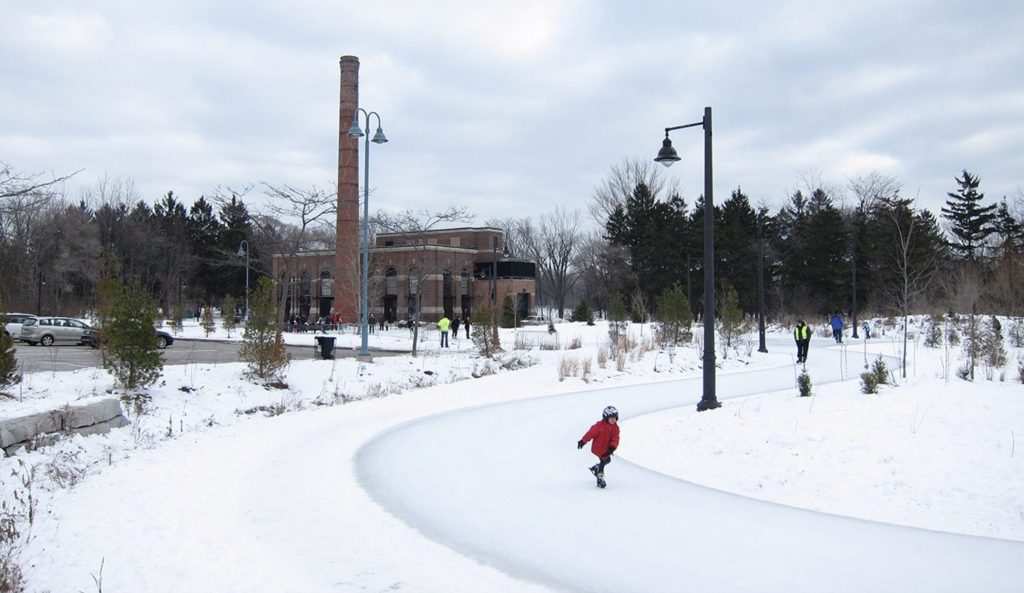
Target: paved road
x,y
505,485
68,358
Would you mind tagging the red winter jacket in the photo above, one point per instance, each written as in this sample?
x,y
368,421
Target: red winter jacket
x,y
605,435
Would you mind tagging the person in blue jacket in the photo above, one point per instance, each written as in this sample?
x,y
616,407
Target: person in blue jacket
x,y
837,327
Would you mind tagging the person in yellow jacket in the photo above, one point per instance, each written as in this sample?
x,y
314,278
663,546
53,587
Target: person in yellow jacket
x,y
802,335
443,324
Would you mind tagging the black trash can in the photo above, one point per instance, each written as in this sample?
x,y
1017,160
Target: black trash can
x,y
326,344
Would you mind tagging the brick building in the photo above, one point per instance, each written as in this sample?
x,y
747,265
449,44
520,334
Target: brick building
x,y
452,270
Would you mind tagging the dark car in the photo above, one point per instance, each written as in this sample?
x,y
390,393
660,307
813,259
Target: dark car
x,y
163,339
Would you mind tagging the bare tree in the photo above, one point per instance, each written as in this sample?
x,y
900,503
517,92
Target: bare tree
x,y
413,227
559,241
14,184
915,269
620,183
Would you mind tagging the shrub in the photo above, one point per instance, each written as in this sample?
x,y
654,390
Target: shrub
x,y
869,382
508,313
803,384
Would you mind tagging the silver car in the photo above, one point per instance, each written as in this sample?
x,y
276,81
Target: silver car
x,y
12,323
55,330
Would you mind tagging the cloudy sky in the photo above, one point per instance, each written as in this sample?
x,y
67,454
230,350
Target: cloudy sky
x,y
513,108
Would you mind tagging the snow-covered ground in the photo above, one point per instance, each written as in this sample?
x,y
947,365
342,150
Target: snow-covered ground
x,y
212,488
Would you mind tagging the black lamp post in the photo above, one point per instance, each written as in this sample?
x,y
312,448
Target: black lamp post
x,y
39,293
761,347
666,156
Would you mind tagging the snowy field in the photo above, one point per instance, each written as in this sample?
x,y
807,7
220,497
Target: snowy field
x,y
222,485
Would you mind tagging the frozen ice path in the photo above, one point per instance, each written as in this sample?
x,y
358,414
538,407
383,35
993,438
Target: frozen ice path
x,y
506,485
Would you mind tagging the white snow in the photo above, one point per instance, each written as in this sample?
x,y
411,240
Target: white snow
x,y
204,492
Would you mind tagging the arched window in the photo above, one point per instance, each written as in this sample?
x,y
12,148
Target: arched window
x,y
326,283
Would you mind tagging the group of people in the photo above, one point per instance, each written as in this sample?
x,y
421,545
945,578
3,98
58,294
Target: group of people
x,y
802,334
444,324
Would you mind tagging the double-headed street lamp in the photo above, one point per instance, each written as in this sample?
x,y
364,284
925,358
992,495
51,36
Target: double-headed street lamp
x,y
243,249
666,156
379,138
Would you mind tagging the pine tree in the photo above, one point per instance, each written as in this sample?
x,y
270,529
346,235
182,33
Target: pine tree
x,y
674,317
227,314
9,374
483,332
262,344
508,312
132,356
969,221
582,312
207,323
730,322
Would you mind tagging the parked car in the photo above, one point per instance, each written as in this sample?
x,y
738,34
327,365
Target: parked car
x,y
163,339
533,320
55,330
12,323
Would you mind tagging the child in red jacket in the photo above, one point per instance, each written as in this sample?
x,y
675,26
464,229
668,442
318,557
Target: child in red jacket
x,y
605,436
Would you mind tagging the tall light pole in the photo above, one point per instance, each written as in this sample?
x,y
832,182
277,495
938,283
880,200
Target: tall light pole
x,y
761,347
494,287
379,138
666,156
243,249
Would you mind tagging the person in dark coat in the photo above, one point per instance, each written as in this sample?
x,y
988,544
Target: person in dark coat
x,y
455,327
466,322
802,336
604,439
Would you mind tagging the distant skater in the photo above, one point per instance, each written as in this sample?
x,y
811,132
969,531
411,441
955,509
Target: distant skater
x,y
605,437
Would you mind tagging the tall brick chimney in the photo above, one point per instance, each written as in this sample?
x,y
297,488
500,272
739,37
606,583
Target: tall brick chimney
x,y
346,262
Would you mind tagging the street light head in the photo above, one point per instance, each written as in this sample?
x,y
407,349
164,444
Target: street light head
x,y
355,131
241,252
505,252
379,137
667,155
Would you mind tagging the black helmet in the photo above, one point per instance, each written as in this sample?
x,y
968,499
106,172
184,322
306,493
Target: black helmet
x,y
609,412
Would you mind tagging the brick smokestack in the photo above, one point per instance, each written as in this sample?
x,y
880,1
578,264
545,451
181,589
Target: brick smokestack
x,y
347,262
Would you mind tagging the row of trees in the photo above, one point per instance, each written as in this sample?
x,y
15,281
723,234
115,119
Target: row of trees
x,y
862,247
865,247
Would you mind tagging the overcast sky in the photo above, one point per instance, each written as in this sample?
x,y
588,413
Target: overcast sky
x,y
511,108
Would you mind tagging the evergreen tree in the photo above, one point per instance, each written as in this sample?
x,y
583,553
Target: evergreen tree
x,y
9,374
227,314
205,233
132,356
207,322
508,312
263,347
582,312
483,332
736,249
674,317
969,222
730,322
